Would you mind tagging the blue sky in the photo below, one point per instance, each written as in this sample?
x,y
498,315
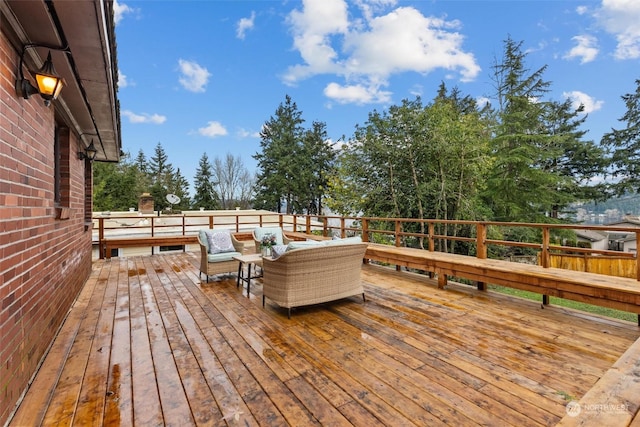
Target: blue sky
x,y
204,76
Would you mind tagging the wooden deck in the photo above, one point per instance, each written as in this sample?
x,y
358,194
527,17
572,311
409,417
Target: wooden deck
x,y
148,344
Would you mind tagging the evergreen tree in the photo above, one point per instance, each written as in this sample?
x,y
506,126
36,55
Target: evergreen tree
x,y
625,146
519,187
205,194
161,175
277,178
179,186
142,173
321,158
575,162
115,186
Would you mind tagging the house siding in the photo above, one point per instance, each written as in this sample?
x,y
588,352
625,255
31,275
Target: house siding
x,y
44,261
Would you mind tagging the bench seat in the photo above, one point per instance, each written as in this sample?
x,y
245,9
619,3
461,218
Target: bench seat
x,y
608,291
110,243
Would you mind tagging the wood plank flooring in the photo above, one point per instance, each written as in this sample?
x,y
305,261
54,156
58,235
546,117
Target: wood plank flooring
x,y
147,343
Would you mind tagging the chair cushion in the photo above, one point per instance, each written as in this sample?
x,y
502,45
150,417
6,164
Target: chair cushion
x,y
223,256
276,231
219,242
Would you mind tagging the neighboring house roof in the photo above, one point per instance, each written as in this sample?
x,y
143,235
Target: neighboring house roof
x,y
628,220
89,99
591,235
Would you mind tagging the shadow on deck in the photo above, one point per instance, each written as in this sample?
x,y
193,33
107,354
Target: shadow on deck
x,y
148,343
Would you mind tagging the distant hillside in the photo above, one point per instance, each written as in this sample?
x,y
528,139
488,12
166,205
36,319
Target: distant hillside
x,y
610,211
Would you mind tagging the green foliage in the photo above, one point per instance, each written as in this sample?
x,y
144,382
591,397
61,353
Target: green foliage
x,y
415,161
115,186
205,194
625,144
294,164
540,163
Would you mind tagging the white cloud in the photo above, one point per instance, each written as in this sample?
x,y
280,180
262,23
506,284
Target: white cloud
x,y
356,94
580,98
243,133
194,77
122,80
481,101
120,10
212,130
155,119
585,49
581,10
366,53
620,18
245,24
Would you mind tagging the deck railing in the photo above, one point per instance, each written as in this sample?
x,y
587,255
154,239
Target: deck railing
x,y
429,234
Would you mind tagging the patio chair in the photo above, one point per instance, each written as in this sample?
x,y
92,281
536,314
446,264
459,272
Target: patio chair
x,y
217,249
260,232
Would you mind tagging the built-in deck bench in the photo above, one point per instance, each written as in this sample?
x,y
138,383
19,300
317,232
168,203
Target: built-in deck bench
x,y
111,243
607,291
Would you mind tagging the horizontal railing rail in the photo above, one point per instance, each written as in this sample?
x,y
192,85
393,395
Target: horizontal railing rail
x,y
429,234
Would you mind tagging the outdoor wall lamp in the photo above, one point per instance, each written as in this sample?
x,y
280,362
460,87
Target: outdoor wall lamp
x,y
49,82
89,153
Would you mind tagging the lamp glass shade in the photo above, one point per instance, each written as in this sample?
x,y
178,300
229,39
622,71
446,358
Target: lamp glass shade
x,y
49,85
49,82
91,151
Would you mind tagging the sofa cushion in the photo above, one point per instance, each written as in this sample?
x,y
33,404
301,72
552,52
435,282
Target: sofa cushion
x,y
303,244
223,256
219,242
345,241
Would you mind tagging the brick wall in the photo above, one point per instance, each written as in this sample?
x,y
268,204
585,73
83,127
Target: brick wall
x,y
44,261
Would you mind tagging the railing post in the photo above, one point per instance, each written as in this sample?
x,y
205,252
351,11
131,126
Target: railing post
x,y
545,257
211,222
398,230
325,226
481,249
481,240
637,264
432,232
545,247
308,224
365,230
343,232
101,249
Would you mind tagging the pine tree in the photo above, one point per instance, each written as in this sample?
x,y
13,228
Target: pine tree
x,y
625,144
518,187
161,174
205,194
277,179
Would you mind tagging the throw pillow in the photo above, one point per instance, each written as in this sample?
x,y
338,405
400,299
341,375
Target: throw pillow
x,y
219,242
278,250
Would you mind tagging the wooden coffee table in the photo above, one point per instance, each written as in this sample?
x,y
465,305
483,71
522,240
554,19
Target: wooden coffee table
x,y
249,260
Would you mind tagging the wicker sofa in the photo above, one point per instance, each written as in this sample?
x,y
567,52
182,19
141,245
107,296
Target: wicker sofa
x,y
217,263
314,273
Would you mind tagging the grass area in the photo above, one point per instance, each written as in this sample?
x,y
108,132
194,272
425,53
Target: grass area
x,y
603,311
